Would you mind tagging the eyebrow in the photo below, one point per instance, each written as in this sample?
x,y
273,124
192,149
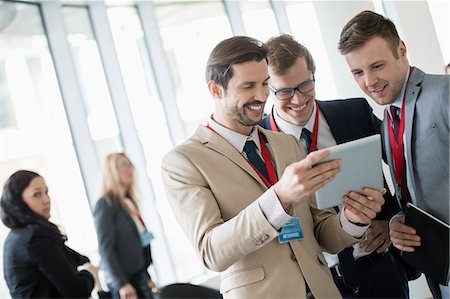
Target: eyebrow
x,y
253,82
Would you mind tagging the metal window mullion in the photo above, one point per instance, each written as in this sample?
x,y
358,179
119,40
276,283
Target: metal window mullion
x,y
234,16
69,85
128,133
279,10
161,70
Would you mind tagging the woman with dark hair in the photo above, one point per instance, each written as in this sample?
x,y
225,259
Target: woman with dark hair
x,y
37,263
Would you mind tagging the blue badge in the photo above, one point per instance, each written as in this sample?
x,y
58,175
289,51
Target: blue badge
x,y
146,237
291,231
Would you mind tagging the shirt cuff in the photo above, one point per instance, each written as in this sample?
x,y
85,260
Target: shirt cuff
x,y
399,214
351,228
273,210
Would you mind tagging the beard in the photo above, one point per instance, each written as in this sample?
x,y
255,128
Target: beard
x,y
238,113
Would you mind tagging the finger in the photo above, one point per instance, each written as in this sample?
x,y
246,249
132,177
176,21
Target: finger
x,y
358,208
357,215
368,204
374,243
404,248
323,167
316,156
385,246
402,228
321,180
374,195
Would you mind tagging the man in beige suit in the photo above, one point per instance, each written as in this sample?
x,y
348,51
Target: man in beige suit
x,y
232,210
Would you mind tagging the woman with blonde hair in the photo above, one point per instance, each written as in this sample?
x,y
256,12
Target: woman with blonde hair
x,y
124,242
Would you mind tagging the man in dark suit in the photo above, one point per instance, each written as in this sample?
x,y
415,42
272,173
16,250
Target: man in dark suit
x,y
416,122
371,272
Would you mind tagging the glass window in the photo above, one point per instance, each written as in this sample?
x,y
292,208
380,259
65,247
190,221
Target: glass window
x,y
305,27
97,100
189,31
36,135
259,20
440,14
150,121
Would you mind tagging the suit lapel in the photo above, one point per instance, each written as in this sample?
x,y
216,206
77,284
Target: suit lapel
x,y
412,92
218,144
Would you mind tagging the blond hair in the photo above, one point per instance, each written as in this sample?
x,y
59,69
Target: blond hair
x,y
112,189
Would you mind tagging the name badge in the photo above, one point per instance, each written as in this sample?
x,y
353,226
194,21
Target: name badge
x,y
291,231
146,237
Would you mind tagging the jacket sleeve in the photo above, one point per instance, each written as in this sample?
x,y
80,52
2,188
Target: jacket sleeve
x,y
50,256
105,227
218,243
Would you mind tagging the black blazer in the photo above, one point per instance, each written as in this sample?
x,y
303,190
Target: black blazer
x,y
348,120
37,264
122,254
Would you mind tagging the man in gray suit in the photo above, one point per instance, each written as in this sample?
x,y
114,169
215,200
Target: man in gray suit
x,y
415,126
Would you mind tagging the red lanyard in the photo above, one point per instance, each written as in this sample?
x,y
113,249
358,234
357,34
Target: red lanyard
x,y
397,145
137,214
313,146
315,132
267,161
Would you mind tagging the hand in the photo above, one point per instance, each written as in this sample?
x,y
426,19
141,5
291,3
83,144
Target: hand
x,y
377,233
127,292
94,271
403,237
361,208
303,178
152,286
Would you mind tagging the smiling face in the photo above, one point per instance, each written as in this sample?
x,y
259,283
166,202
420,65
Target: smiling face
x,y
376,70
35,195
299,108
241,105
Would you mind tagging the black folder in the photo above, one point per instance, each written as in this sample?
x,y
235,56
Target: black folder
x,y
432,256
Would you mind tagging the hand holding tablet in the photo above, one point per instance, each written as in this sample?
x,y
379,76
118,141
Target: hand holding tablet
x,y
361,167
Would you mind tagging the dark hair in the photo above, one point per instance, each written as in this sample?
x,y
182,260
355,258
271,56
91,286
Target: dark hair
x,y
15,212
284,50
235,50
363,27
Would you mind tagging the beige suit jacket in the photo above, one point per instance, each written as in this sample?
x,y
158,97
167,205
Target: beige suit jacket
x,y
213,190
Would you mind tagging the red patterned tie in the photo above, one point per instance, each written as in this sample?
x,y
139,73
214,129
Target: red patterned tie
x,y
396,124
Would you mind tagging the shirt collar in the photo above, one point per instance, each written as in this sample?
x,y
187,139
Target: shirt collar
x,y
237,140
398,101
292,129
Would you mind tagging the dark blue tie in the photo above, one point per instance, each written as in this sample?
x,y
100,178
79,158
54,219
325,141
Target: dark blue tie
x,y
254,158
306,136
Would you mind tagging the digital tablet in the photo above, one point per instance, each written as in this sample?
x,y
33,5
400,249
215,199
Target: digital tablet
x,y
361,166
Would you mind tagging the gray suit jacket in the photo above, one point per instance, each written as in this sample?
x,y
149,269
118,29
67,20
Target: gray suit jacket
x,y
426,142
119,243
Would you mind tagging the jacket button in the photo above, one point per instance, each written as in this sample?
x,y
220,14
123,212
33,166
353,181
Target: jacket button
x,y
293,257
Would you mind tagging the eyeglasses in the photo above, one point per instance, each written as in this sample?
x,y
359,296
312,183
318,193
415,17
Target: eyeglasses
x,y
304,88
125,166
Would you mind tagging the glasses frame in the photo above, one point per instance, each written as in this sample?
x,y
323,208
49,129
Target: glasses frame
x,y
293,89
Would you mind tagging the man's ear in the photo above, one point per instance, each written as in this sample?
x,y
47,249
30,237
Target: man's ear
x,y
215,89
402,49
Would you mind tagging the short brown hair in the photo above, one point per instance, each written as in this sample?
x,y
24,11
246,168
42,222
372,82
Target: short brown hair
x,y
284,50
235,50
363,27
